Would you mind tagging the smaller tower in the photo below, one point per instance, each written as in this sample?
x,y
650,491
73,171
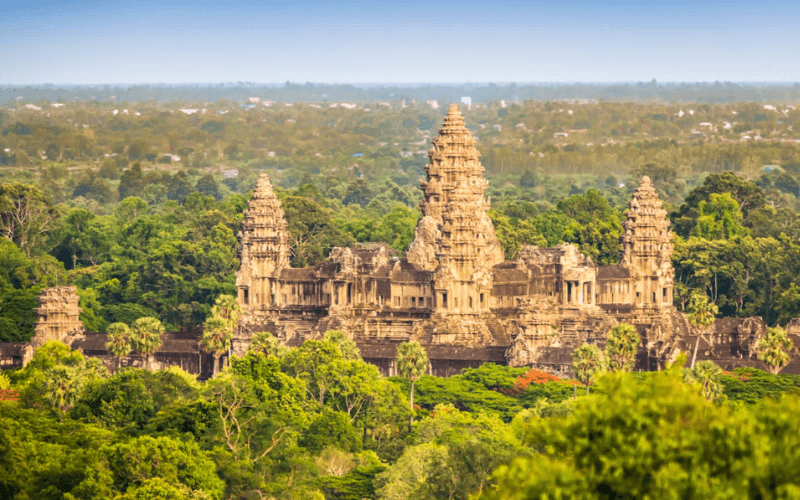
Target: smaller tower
x,y
58,316
647,249
264,251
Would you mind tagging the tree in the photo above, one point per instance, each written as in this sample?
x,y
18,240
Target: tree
x,y
208,186
587,364
656,437
623,342
146,337
412,363
346,346
27,216
701,316
707,374
119,342
227,307
219,327
265,343
719,218
216,339
774,349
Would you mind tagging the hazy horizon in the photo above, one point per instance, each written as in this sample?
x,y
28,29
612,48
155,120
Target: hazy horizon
x,y
581,41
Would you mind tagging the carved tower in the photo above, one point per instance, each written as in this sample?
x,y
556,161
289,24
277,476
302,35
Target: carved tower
x,y
58,316
647,249
264,252
455,238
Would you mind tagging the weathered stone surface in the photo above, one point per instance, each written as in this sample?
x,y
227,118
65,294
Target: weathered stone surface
x,y
58,316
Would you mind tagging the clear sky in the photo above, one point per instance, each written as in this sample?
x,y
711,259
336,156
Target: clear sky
x,y
185,41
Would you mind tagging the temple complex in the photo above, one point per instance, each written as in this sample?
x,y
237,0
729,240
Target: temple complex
x,y
453,291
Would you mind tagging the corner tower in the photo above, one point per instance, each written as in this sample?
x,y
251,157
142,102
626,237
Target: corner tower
x,y
264,251
455,238
647,249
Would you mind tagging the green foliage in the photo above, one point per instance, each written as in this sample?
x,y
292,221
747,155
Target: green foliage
x,y
346,346
492,376
148,465
774,349
131,398
119,342
266,344
624,443
550,393
464,394
357,484
621,347
708,375
145,336
21,280
452,456
331,428
752,386
719,218
587,363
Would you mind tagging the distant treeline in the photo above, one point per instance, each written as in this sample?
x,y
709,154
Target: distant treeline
x,y
717,92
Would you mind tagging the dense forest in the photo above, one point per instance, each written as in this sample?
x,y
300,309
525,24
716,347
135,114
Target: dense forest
x,y
316,422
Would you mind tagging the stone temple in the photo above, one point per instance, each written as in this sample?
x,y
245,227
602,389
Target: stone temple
x,y
453,291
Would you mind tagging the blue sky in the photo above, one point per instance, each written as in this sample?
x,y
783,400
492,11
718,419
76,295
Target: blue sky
x,y
182,41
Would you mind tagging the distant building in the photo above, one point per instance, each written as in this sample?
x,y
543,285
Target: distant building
x,y
467,101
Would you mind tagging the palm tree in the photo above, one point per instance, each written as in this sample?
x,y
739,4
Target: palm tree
x,y
63,386
266,343
347,347
701,316
216,338
623,342
119,342
774,349
707,374
226,307
412,363
587,363
146,337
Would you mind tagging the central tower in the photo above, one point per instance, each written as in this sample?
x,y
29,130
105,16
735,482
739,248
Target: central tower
x,y
455,238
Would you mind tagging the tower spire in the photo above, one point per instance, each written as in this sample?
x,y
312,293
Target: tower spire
x,y
264,248
455,237
647,247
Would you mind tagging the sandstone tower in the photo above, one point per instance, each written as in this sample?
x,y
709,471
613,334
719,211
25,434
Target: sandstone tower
x,y
59,316
647,249
455,238
264,252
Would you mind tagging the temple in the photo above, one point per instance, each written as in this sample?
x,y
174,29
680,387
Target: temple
x,y
453,291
